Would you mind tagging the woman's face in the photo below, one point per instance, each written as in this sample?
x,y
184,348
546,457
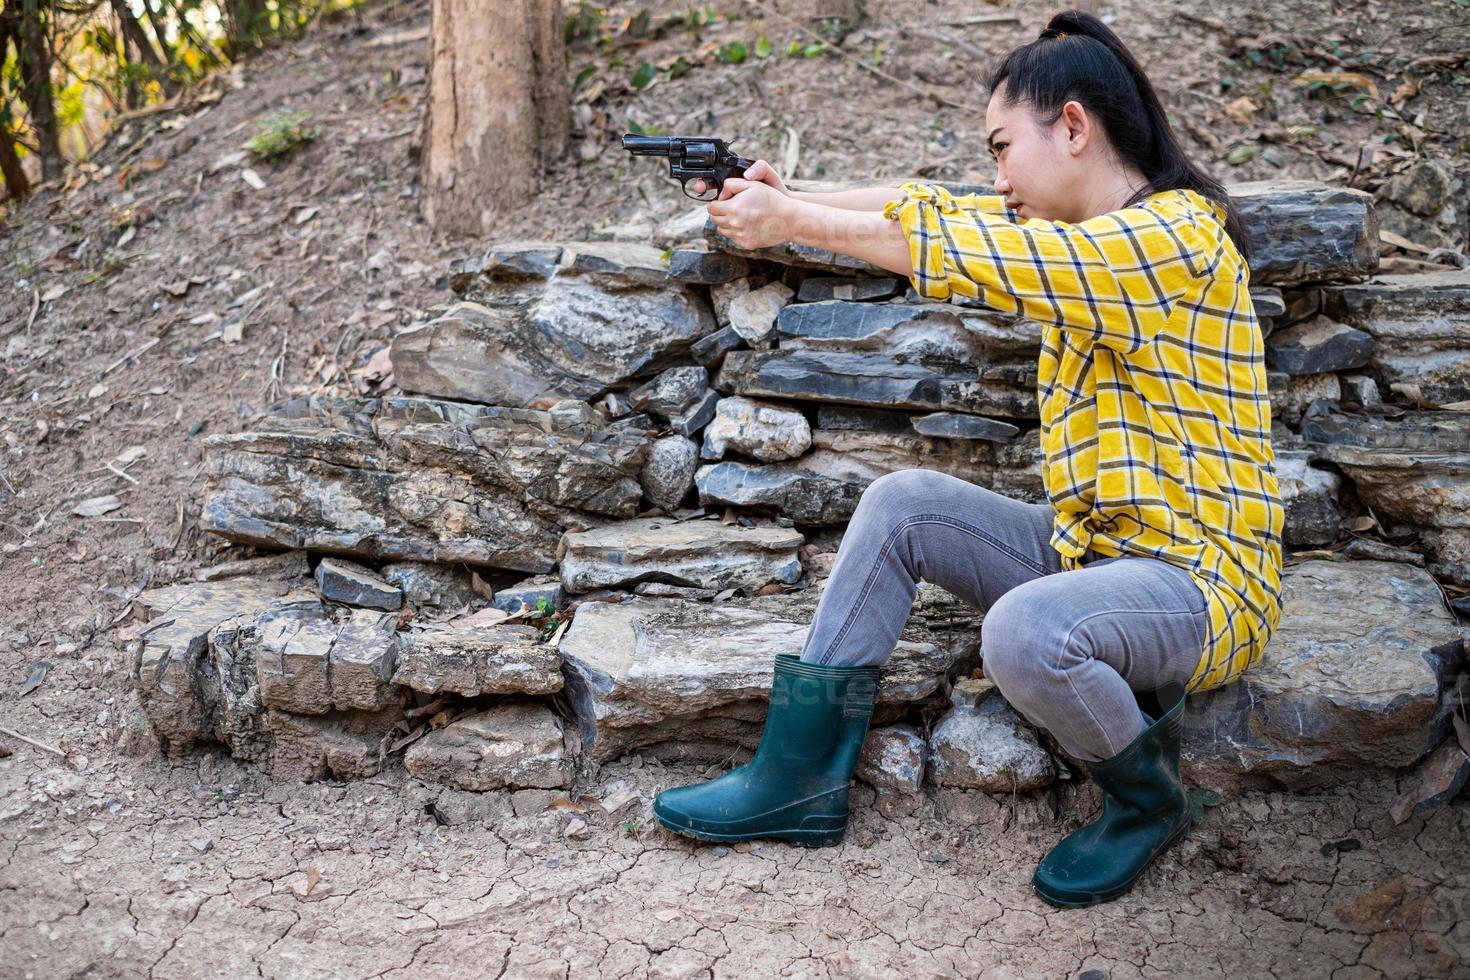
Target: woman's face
x,y
1041,171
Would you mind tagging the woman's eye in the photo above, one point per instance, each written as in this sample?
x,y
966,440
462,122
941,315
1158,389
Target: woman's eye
x,y
995,149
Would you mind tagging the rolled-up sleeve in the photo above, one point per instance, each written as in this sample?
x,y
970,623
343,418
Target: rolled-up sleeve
x,y
1114,278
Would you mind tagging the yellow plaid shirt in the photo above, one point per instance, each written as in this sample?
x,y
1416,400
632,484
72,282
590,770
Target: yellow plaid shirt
x,y
1155,422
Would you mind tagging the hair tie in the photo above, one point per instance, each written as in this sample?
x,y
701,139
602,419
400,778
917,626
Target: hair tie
x,y
1051,32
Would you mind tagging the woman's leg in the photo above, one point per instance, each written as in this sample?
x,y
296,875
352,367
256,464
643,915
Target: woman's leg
x,y
1067,651
923,524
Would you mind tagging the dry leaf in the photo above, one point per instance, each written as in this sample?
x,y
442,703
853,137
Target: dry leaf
x,y
252,178
54,293
1242,110
564,803
313,876
97,506
1399,241
303,215
489,616
1407,89
480,586
1354,78
1364,523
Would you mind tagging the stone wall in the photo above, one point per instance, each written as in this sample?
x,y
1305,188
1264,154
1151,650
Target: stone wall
x,y
663,442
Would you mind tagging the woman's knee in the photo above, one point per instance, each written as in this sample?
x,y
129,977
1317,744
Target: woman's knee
x,y
1007,643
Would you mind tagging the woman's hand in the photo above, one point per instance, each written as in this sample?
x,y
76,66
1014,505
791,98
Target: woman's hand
x,y
759,171
751,214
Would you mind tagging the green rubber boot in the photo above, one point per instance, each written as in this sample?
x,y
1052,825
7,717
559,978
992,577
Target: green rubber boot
x,y
1145,811
795,787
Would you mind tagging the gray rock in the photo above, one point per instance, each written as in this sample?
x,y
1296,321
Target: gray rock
x,y
476,484
892,759
1268,301
932,332
510,261
427,584
700,265
987,747
1309,496
824,486
703,554
672,392
1420,325
171,668
345,581
879,381
753,314
1318,345
710,351
656,670
816,289
1424,189
1360,390
509,745
669,473
341,745
1412,470
1292,396
530,592
1436,781
1349,685
691,420
957,425
1304,231
507,658
568,337
767,432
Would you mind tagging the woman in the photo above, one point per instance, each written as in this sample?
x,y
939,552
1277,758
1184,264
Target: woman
x,y
1163,504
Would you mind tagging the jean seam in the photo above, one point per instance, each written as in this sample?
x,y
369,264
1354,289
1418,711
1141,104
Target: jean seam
x,y
1107,738
902,526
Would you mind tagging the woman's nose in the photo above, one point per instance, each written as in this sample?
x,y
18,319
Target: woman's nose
x,y
1002,186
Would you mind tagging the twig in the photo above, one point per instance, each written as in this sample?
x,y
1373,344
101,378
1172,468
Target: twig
x,y
126,358
860,62
31,741
122,473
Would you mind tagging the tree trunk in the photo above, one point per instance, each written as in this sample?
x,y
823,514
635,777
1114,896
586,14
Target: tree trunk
x,y
16,184
499,107
134,37
33,58
156,24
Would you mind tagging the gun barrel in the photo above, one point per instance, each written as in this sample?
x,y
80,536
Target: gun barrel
x,y
650,146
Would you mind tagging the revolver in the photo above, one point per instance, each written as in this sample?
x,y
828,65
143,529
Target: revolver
x,y
689,157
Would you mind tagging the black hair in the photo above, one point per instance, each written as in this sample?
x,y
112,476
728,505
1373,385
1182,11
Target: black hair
x,y
1077,57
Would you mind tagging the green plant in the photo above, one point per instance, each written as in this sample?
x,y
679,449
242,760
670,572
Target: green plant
x,y
280,133
763,47
732,53
1199,799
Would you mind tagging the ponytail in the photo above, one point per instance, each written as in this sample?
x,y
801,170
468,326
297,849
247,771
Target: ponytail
x,y
1077,57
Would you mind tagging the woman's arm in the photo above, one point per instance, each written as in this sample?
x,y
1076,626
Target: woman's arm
x,y
1113,278
858,199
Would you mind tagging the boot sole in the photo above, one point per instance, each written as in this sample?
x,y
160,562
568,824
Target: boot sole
x,y
810,837
1118,890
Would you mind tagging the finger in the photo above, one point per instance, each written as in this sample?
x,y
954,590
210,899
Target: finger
x,y
737,184
758,170
698,185
716,209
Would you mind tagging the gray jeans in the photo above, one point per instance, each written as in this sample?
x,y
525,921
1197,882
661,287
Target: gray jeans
x,y
1066,650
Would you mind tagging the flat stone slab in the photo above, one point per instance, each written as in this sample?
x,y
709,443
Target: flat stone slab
x,y
510,745
656,670
1351,683
508,658
699,553
420,479
170,664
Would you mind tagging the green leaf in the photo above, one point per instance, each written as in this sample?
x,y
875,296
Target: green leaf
x,y
733,53
763,47
636,129
877,55
679,68
582,76
793,49
1240,154
645,76
814,49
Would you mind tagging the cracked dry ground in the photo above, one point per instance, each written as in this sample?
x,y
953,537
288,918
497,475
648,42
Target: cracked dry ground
x,y
141,867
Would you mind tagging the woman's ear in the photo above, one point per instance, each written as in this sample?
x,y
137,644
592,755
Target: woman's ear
x,y
1079,126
